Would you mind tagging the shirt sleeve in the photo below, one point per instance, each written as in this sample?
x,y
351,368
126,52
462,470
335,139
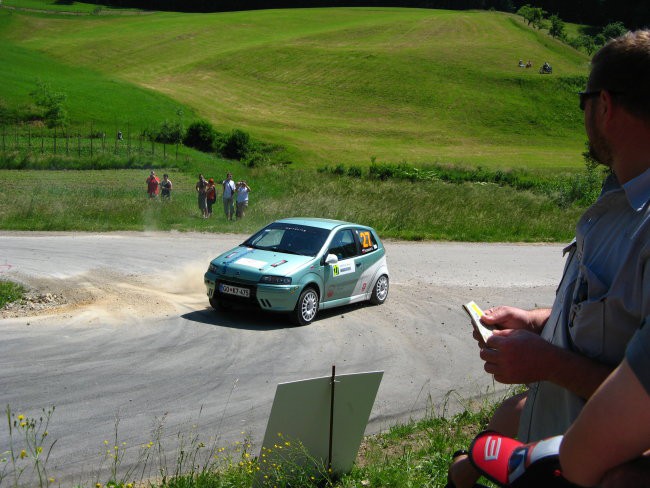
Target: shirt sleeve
x,y
638,355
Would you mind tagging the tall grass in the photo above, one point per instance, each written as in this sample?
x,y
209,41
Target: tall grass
x,y
416,453
116,200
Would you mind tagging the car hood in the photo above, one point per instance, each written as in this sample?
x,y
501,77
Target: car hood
x,y
248,263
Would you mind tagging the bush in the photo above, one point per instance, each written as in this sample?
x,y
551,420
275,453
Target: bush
x,y
167,133
354,172
201,135
236,145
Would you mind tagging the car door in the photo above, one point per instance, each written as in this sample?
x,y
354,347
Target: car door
x,y
342,277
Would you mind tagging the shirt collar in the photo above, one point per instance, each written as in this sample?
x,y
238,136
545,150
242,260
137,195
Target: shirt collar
x,y
637,190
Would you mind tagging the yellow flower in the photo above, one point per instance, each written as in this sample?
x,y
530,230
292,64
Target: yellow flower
x,y
106,443
23,453
45,433
51,480
21,417
129,485
23,424
98,485
39,449
287,443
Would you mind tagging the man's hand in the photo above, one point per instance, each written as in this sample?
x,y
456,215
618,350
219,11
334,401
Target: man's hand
x,y
516,356
515,318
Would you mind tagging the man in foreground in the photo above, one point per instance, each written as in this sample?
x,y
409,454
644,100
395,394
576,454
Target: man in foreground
x,y
565,353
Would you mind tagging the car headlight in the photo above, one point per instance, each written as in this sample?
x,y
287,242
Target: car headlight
x,y
275,280
212,269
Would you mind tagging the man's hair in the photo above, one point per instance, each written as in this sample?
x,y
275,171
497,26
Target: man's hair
x,y
622,67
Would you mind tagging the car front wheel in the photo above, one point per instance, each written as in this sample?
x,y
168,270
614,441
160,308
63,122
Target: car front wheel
x,y
219,304
380,291
306,308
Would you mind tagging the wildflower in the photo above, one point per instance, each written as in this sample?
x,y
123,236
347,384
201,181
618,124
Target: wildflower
x,y
23,453
106,443
287,443
129,485
51,480
39,449
45,433
98,485
21,417
115,447
23,424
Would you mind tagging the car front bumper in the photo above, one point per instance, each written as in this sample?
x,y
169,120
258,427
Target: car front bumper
x,y
278,298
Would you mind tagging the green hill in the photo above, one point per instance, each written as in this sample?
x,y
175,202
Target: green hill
x,y
332,85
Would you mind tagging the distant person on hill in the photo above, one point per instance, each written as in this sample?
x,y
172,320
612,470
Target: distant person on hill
x,y
210,196
563,354
201,191
166,187
242,198
521,63
119,135
228,194
153,185
529,64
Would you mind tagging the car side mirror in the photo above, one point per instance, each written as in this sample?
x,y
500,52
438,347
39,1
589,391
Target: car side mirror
x,y
331,259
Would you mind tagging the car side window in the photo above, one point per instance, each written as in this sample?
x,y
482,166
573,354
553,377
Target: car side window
x,y
367,241
343,245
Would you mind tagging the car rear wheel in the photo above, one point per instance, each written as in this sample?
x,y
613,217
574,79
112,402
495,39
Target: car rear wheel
x,y
380,291
306,308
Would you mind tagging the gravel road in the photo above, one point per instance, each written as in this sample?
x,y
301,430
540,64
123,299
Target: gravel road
x,y
135,338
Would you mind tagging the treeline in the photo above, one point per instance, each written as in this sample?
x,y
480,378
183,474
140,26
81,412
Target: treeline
x,y
633,13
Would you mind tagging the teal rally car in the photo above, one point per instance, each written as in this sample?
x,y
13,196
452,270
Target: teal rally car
x,y
299,266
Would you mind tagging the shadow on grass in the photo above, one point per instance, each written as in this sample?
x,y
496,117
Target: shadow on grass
x,y
247,319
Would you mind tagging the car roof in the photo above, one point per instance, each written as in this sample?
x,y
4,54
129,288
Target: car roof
x,y
328,224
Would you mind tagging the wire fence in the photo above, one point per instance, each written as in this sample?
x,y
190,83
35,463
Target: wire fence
x,y
90,143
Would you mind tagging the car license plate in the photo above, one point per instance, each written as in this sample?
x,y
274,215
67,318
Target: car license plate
x,y
234,290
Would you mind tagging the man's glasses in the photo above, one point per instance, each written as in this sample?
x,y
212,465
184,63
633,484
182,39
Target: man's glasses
x,y
586,95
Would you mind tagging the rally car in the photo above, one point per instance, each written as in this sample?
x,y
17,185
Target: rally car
x,y
299,266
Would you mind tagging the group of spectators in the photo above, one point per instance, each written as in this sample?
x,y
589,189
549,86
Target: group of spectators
x,y
156,187
234,196
586,361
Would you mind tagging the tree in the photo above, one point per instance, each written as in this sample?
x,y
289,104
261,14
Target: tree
x,y
613,30
557,27
533,15
201,135
53,104
587,43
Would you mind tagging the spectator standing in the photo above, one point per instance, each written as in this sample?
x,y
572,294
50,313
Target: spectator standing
x,y
565,353
166,187
242,198
210,195
201,191
228,194
153,185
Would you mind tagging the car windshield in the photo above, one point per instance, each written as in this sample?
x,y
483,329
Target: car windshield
x,y
289,238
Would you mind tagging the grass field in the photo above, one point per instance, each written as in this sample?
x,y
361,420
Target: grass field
x,y
333,85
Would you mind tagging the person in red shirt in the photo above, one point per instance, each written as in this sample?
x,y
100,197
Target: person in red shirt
x,y
153,185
